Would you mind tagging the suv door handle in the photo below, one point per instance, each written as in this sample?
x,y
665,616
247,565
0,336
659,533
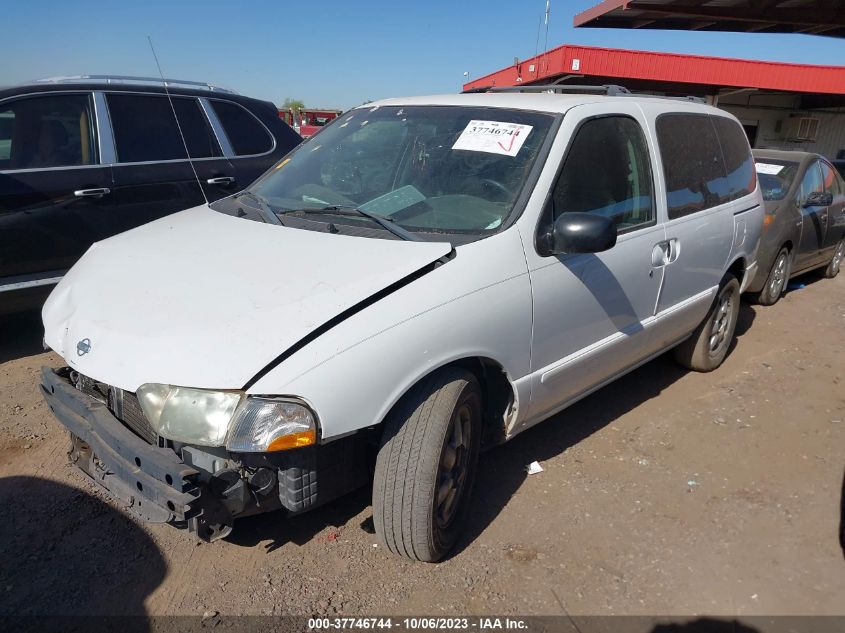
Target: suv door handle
x,y
92,193
221,180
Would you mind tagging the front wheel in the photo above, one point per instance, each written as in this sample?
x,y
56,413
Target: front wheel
x,y
426,466
839,254
707,347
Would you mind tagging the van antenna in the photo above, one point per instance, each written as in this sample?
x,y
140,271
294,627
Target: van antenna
x,y
178,126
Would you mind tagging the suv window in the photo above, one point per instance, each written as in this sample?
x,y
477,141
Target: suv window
x,y
245,132
145,128
607,171
739,164
812,181
692,163
831,182
47,131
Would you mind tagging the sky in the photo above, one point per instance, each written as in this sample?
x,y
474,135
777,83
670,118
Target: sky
x,y
332,53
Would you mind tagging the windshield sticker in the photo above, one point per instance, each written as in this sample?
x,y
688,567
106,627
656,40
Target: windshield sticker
x,y
769,168
394,201
493,137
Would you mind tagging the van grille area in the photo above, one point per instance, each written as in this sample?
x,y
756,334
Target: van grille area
x,y
123,404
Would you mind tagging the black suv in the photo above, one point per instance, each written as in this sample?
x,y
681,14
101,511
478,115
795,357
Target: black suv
x,y
84,158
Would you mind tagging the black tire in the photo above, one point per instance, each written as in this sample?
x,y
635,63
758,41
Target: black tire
x,y
709,344
836,261
412,474
776,281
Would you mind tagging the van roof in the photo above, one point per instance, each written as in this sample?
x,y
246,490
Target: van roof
x,y
540,102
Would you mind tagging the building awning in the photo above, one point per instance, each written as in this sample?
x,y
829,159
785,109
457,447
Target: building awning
x,y
748,16
669,72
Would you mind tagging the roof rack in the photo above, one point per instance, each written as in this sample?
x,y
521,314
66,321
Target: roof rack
x,y
128,79
607,89
611,90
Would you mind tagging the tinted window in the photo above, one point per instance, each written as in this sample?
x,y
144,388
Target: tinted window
x,y
245,133
607,171
812,181
737,156
145,128
692,163
831,182
48,131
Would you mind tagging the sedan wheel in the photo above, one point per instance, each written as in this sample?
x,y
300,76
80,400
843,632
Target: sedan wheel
x,y
836,263
777,279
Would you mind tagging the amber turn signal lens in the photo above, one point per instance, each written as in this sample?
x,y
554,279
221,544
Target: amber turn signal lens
x,y
295,440
768,219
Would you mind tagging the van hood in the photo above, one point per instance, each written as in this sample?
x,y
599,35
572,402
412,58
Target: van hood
x,y
202,299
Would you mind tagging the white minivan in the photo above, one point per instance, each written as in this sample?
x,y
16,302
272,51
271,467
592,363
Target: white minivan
x,y
424,278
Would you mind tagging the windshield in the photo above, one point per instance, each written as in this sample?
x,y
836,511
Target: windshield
x,y
428,169
775,177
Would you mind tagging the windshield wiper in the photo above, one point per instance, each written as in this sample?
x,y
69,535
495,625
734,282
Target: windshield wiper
x,y
263,206
386,223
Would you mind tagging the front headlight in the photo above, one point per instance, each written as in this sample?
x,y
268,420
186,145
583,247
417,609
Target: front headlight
x,y
195,416
268,424
245,424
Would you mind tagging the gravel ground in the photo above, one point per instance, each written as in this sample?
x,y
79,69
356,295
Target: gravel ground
x,y
667,492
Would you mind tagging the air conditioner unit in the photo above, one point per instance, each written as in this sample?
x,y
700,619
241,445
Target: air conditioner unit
x,y
800,129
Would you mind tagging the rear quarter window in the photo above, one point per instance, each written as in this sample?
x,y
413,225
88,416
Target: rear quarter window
x,y
692,163
246,133
739,165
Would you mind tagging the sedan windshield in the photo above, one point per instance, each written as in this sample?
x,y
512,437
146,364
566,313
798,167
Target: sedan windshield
x,y
427,169
775,177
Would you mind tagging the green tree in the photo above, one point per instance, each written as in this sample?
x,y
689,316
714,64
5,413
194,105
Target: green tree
x,y
294,105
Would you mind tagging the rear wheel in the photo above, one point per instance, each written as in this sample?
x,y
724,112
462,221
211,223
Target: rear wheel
x,y
707,347
776,281
426,466
839,254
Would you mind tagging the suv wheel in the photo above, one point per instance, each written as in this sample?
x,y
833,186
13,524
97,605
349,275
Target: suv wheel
x,y
707,347
776,281
426,466
833,267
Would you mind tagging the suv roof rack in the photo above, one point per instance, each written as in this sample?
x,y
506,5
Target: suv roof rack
x,y
610,90
128,79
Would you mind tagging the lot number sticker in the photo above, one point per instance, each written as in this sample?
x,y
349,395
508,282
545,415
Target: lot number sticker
x,y
768,168
493,137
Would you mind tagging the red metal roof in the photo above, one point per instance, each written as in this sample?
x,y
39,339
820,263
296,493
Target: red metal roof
x,y
823,17
670,68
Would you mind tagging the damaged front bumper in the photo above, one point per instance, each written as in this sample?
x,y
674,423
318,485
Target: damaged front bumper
x,y
156,484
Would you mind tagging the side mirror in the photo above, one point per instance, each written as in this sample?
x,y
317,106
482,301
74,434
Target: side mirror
x,y
818,199
580,233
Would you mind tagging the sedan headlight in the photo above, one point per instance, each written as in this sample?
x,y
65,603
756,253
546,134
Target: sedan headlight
x,y
245,424
195,416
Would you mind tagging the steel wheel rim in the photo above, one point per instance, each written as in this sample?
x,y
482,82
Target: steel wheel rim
x,y
720,324
778,276
453,467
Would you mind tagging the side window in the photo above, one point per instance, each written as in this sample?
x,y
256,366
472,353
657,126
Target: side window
x,y
145,129
692,163
607,171
47,131
812,181
245,132
739,164
831,182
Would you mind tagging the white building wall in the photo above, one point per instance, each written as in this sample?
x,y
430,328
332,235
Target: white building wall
x,y
769,111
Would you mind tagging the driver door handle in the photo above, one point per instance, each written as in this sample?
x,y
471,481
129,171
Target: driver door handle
x,y
92,193
221,180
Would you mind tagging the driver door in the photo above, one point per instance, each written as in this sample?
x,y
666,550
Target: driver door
x,y
591,310
813,218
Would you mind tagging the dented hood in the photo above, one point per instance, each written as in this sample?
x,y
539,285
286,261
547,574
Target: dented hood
x,y
202,299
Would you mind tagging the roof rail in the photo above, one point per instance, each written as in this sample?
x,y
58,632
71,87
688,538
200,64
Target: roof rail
x,y
607,89
128,79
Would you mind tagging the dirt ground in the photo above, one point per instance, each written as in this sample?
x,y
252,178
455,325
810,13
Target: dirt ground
x,y
667,492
